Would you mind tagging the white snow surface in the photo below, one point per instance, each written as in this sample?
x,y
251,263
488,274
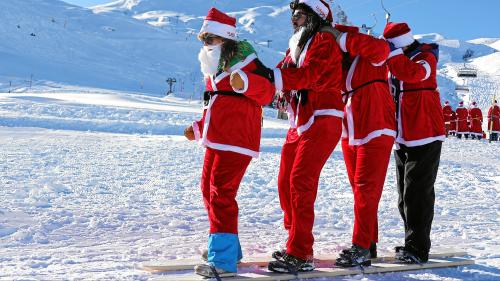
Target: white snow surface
x,y
95,182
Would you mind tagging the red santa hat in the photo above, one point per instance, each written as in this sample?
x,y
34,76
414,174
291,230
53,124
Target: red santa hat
x,y
320,7
220,24
461,103
399,34
347,28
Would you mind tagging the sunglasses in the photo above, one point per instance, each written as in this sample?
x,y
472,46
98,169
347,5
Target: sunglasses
x,y
297,15
208,38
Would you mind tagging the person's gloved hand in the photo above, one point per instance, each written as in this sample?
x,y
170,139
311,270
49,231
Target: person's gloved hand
x,y
189,133
237,82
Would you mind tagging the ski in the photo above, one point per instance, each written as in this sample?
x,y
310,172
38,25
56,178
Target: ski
x,y
320,261
262,274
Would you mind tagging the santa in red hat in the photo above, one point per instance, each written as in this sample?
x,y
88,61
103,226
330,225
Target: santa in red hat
x,y
476,121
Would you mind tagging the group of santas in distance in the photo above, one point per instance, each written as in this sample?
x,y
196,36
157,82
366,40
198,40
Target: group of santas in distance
x,y
469,121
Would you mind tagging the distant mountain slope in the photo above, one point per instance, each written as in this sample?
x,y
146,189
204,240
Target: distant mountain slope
x,y
135,45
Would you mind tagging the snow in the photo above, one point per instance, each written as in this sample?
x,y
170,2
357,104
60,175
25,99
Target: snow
x,y
96,176
94,182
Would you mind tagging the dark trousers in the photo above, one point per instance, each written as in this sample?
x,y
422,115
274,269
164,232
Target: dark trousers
x,y
493,137
417,169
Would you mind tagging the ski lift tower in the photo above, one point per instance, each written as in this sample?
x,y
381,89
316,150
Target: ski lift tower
x,y
170,82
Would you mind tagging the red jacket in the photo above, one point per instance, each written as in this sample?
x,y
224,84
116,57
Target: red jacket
x,y
319,71
476,121
462,116
233,123
369,110
453,122
494,119
414,85
447,113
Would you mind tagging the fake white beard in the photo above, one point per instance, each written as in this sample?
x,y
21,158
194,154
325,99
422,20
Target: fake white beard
x,y
209,57
294,41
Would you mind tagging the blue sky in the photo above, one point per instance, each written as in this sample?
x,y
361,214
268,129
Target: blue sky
x,y
455,19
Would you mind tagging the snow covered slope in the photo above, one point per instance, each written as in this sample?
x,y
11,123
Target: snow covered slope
x,y
94,182
55,41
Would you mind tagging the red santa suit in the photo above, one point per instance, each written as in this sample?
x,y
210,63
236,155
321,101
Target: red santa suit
x,y
476,121
447,116
414,86
369,127
230,129
453,122
462,116
312,85
494,119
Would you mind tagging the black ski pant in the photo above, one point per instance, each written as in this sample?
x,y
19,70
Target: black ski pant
x,y
417,168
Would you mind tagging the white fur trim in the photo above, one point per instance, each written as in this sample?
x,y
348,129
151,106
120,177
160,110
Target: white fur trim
x,y
318,7
396,52
372,135
342,40
420,142
214,84
303,54
245,81
227,147
427,67
320,112
278,79
350,74
402,40
219,29
196,130
378,64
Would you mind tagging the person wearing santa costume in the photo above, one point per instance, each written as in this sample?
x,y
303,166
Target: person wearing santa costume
x,y
369,130
453,123
421,131
447,117
476,122
494,121
462,117
310,78
230,129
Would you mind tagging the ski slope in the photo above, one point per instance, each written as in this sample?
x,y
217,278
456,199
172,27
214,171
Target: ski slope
x,y
94,182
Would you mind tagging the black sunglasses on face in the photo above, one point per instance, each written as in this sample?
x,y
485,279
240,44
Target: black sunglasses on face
x,y
208,38
298,15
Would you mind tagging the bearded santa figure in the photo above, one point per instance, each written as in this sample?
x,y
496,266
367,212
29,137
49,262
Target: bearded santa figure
x,y
230,129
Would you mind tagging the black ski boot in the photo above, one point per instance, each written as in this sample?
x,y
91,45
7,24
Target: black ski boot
x,y
355,256
409,255
278,255
291,264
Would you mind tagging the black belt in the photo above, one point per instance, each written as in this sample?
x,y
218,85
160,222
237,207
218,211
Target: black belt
x,y
363,85
416,90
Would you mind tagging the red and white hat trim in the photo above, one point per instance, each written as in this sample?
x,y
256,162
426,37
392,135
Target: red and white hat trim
x,y
219,29
319,7
220,24
402,40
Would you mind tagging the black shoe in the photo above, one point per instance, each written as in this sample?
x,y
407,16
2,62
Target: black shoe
x,y
291,264
278,255
410,255
355,256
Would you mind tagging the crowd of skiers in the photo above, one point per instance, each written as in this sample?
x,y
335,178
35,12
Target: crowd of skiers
x,y
340,85
469,122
